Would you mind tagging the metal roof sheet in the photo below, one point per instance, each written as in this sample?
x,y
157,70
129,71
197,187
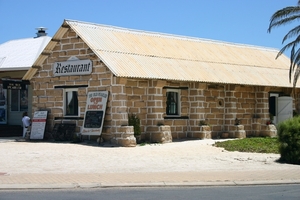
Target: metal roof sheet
x,y
141,54
137,66
21,54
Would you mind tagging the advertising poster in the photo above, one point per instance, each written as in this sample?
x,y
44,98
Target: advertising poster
x,y
38,125
94,113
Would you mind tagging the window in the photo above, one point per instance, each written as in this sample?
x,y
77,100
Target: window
x,y
23,100
173,102
19,100
15,105
71,102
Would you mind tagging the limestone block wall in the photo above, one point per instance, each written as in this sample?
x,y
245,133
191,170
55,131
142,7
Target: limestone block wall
x,y
48,90
214,97
136,94
218,105
197,105
245,104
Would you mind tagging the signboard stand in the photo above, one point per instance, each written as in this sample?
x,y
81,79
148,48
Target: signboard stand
x,y
38,125
94,113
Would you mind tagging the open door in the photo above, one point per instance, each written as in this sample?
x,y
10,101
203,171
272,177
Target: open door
x,y
284,108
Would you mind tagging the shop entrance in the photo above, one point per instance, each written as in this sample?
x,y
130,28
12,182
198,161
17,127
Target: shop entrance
x,y
280,107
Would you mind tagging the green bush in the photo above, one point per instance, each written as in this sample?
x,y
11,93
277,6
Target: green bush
x,y
134,120
289,139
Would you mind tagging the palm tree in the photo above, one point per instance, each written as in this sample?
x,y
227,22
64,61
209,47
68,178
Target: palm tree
x,y
283,17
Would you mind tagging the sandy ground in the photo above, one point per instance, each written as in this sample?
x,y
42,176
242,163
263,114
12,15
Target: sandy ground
x,y
183,156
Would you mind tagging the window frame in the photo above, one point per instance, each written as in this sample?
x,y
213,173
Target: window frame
x,y
18,103
12,100
65,90
178,103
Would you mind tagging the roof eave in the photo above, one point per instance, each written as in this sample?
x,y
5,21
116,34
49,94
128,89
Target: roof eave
x,y
47,50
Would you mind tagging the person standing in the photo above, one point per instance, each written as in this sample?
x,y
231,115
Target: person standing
x,y
26,123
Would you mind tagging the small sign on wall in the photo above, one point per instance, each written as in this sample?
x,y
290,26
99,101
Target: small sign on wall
x,y
94,113
14,85
38,125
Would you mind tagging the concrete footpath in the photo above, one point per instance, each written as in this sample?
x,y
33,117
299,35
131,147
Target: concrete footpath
x,y
51,173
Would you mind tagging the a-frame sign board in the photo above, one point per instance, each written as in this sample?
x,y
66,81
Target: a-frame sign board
x,y
38,125
94,113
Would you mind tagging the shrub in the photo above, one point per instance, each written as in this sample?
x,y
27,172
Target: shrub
x,y
289,139
203,123
134,120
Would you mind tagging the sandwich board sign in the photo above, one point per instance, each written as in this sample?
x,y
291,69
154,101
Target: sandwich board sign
x,y
38,125
94,113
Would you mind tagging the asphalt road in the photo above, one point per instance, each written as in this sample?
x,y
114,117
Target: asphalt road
x,y
265,192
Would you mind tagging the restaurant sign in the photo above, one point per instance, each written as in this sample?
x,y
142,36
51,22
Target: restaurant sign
x,y
73,66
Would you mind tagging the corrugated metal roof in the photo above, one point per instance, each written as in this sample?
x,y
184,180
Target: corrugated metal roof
x,y
21,54
141,54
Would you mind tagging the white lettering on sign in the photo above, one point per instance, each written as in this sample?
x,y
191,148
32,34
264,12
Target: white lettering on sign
x,y
72,67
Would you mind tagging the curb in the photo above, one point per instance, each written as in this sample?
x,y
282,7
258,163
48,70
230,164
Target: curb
x,y
151,184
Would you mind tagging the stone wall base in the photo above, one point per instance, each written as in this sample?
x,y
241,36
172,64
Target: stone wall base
x,y
200,134
239,132
269,131
124,137
159,134
204,133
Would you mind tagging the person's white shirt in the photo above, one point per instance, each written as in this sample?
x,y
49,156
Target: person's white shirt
x,y
26,121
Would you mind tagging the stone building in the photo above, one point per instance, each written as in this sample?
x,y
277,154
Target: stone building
x,y
173,83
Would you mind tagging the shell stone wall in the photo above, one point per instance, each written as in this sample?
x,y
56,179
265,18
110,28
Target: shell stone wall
x,y
218,104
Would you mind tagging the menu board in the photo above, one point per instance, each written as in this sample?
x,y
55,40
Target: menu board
x,y
94,113
38,125
93,119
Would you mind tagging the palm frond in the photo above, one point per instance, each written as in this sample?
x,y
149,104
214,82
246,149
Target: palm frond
x,y
296,76
292,33
284,21
291,62
283,49
284,16
295,60
294,57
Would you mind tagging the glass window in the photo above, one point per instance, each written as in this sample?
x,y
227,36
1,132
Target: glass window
x,y
2,95
15,100
71,102
19,100
173,102
23,100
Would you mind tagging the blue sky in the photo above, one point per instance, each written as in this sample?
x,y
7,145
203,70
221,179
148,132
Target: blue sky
x,y
238,21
